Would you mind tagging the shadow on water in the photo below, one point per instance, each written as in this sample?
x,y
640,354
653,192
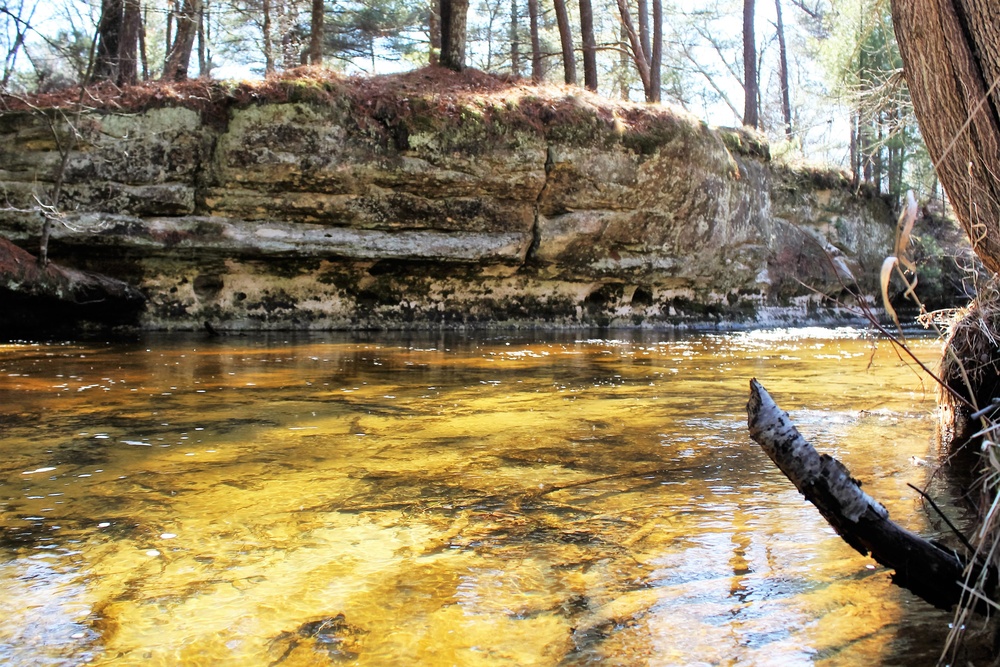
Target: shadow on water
x,y
370,499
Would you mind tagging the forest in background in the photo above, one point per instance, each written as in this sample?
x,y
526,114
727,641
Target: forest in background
x,y
821,78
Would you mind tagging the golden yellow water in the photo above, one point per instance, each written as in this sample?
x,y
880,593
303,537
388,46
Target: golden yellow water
x,y
540,499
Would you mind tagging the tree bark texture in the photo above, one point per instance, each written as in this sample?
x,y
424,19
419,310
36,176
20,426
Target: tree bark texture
x,y
316,33
750,117
109,30
566,39
179,55
638,55
786,102
536,44
930,571
951,60
642,22
268,45
515,41
656,58
128,47
589,45
453,33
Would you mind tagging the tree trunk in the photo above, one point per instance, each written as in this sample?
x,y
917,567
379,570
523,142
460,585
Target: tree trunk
x,y
316,33
638,55
656,59
589,45
536,44
434,32
566,39
786,102
453,27
515,43
928,570
128,46
203,66
268,45
109,31
179,55
951,60
316,16
168,40
855,154
750,117
143,53
642,22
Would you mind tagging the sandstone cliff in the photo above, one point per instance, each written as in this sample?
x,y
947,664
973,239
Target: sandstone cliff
x,y
436,199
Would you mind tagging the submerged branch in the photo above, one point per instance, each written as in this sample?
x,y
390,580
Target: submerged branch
x,y
930,571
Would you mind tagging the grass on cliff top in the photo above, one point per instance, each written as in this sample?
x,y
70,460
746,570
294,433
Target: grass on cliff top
x,y
421,100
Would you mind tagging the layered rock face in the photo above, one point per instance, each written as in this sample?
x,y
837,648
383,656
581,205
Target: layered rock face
x,y
486,206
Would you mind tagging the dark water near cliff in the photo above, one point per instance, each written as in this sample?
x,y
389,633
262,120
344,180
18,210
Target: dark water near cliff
x,y
557,499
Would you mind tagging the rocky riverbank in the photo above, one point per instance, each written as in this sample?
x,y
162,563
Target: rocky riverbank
x,y
435,199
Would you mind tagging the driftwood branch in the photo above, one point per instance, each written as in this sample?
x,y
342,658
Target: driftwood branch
x,y
931,571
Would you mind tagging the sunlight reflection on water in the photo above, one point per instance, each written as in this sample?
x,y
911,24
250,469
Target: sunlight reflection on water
x,y
400,499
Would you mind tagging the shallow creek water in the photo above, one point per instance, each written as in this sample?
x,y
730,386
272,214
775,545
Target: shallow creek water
x,y
534,499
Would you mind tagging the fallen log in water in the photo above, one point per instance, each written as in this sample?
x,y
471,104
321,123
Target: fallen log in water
x,y
926,568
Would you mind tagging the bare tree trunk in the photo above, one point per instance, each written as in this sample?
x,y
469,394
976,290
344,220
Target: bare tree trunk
x,y
143,53
515,43
316,33
268,44
951,60
202,44
179,56
879,147
642,20
928,570
566,39
128,46
434,32
750,116
109,31
536,44
168,40
855,155
453,27
638,55
623,40
589,45
656,59
786,102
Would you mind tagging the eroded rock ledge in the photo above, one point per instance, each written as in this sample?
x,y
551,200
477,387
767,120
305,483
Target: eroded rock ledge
x,y
436,199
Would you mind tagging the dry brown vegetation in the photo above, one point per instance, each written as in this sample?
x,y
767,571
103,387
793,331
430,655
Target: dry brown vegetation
x,y
432,91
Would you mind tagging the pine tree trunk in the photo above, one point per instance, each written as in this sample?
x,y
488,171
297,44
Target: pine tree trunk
x,y
515,44
268,45
128,47
642,21
786,102
750,117
536,44
316,33
589,45
453,27
179,55
566,39
656,58
109,31
638,55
